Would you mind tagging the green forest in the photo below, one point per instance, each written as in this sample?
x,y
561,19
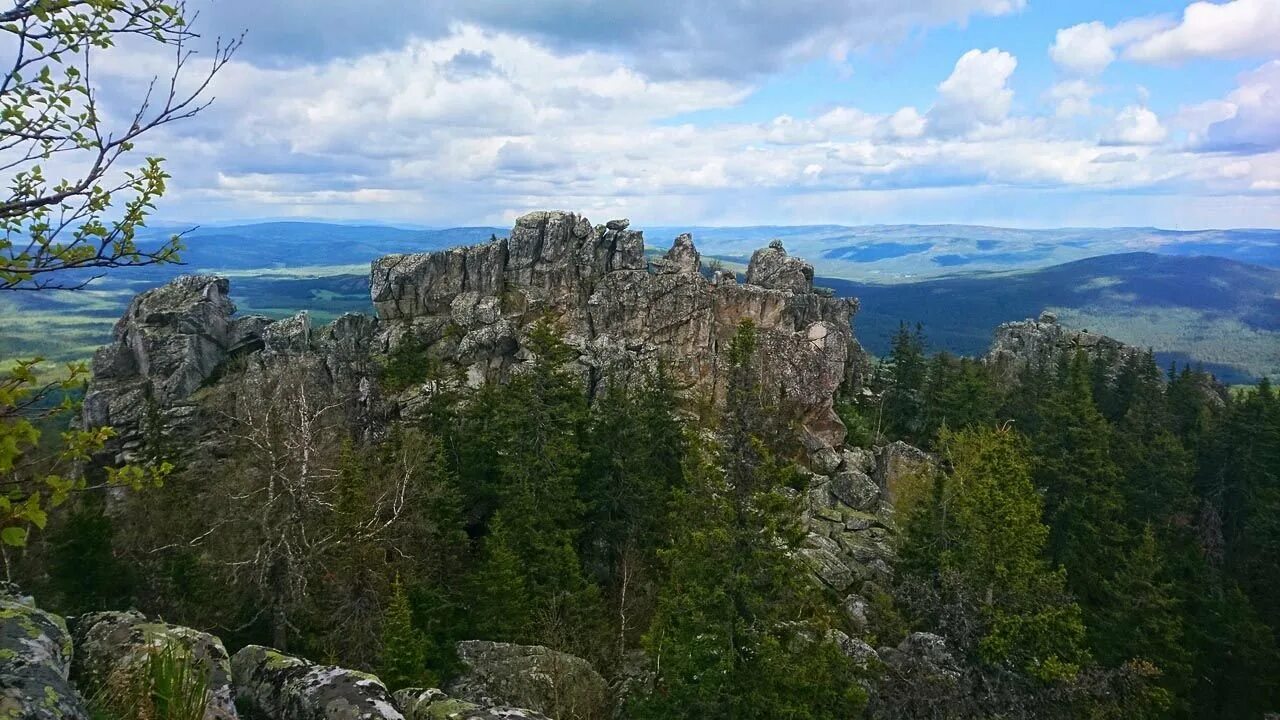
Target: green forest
x,y
1100,541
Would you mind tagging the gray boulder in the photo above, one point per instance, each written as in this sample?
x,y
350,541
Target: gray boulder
x,y
35,664
270,685
112,645
901,469
433,704
169,342
529,676
772,268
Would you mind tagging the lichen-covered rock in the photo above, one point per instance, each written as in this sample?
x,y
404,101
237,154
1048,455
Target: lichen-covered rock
x,y
35,664
170,340
529,676
433,704
270,685
111,645
902,471
771,267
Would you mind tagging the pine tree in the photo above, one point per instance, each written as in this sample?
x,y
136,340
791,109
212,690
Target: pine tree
x,y
903,398
740,631
636,447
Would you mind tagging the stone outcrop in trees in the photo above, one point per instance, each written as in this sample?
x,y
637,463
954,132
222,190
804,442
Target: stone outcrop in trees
x,y
532,676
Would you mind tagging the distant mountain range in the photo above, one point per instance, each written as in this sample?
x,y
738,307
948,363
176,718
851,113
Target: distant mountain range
x,y
1205,296
874,253
1222,313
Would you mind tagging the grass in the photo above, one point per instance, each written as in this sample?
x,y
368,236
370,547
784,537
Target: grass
x,y
168,684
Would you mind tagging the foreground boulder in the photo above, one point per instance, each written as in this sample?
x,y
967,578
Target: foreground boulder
x,y
112,645
530,676
433,704
270,685
35,664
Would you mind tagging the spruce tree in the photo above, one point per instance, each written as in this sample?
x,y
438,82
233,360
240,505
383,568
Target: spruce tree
x,y
1084,507
740,630
534,437
404,649
994,550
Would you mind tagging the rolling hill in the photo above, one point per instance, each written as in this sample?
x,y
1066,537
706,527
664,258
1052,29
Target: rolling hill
x,y
1222,313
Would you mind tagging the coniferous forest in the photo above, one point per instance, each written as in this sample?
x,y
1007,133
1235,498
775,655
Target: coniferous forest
x,y
1100,540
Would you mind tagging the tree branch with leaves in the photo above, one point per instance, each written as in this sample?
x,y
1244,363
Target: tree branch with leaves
x,y
61,230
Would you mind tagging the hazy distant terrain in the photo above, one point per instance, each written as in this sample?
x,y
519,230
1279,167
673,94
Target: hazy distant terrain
x,y
1206,296
1219,312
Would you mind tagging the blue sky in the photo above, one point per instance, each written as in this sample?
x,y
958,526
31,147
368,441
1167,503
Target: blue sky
x,y
1007,112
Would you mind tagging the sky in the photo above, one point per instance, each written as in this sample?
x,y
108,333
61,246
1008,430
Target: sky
x,y
1022,113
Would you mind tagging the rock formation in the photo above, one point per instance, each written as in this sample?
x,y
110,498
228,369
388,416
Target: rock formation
x,y
111,645
1041,340
273,686
531,676
433,704
475,305
35,663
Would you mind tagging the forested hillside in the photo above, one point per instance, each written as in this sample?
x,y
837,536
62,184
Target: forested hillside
x,y
1219,313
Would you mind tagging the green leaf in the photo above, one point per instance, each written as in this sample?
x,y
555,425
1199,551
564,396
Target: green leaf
x,y
14,536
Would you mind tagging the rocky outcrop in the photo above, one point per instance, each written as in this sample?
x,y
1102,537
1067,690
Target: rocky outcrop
x,y
113,645
1017,344
529,676
35,663
903,471
474,305
433,704
270,685
771,267
168,343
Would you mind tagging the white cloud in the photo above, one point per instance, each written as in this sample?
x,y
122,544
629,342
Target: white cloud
x,y
1250,119
1088,48
907,123
1241,28
1072,97
1135,125
662,38
976,93
478,126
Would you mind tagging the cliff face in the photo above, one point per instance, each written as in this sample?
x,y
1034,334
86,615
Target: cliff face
x,y
618,312
473,305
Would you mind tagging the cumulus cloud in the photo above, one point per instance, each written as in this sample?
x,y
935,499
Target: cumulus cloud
x,y
1135,125
1250,121
478,125
976,93
1072,97
1241,28
1088,48
664,38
